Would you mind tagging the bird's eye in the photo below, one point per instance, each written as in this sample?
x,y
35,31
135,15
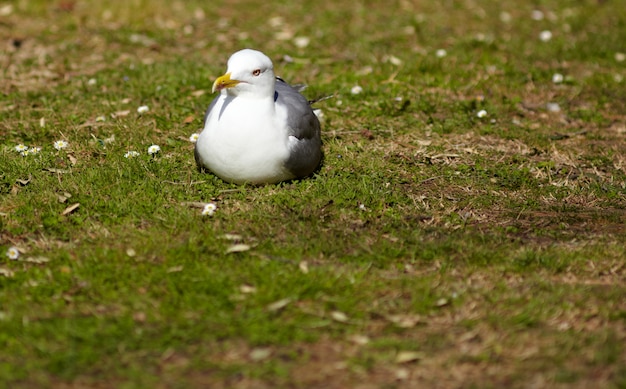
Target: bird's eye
x,y
256,72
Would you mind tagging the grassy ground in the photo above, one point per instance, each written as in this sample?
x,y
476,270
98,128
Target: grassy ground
x,y
435,247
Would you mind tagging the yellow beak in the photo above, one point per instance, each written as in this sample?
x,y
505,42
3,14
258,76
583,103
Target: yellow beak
x,y
224,82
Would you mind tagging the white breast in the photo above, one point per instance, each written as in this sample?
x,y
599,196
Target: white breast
x,y
250,147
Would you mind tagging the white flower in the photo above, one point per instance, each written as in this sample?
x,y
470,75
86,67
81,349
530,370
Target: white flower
x,y
60,144
13,253
545,35
441,53
209,209
482,113
620,57
194,137
143,109
152,150
557,78
301,41
32,150
131,154
21,148
101,119
92,81
356,90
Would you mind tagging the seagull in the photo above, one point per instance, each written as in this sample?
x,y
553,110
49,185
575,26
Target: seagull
x,y
259,129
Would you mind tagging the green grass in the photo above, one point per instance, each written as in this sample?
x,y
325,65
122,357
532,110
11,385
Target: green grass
x,y
492,247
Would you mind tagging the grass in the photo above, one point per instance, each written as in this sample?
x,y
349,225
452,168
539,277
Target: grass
x,y
433,248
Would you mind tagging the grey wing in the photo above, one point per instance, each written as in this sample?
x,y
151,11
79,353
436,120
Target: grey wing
x,y
306,154
195,150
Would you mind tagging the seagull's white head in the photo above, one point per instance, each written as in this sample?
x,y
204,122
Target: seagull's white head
x,y
249,73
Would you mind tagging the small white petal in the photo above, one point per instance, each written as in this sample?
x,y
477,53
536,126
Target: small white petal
x,y
153,149
143,109
482,113
620,57
441,53
92,81
557,78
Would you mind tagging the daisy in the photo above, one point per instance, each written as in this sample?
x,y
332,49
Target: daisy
x,y
209,209
356,90
481,114
143,109
32,150
557,78
152,150
441,53
301,41
13,253
194,137
60,144
21,148
131,154
545,35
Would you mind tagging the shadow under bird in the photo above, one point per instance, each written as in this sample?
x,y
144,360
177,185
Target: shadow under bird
x,y
259,129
